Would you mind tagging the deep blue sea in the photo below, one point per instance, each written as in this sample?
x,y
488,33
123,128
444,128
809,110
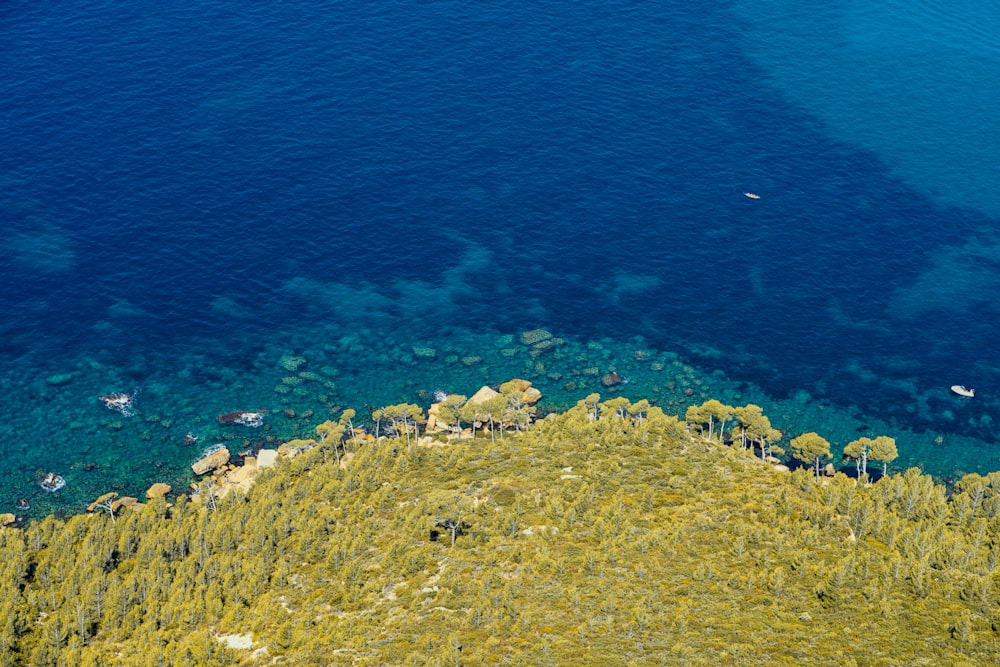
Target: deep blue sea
x,y
304,206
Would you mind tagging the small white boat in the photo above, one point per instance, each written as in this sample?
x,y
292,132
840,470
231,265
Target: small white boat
x,y
751,195
968,392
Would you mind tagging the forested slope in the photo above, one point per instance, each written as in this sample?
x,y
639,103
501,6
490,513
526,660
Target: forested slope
x,y
595,537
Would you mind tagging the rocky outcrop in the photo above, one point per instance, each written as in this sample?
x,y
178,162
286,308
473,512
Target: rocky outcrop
x,y
158,490
531,395
211,461
432,417
293,448
243,477
120,402
52,482
528,394
228,478
484,394
125,501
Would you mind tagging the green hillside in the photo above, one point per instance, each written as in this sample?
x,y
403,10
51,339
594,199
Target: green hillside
x,y
605,535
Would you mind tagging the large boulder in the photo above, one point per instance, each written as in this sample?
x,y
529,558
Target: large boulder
x,y
432,417
211,461
481,396
157,490
515,386
239,478
243,474
531,395
293,448
125,501
266,458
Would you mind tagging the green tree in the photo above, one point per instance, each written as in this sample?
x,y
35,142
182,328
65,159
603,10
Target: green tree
x,y
477,414
857,451
515,412
331,434
591,405
883,448
450,413
639,410
709,414
639,413
810,448
402,418
347,419
756,427
618,406
106,502
663,428
495,410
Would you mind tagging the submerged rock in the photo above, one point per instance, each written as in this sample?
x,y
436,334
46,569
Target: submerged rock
x,y
253,419
292,363
59,379
424,352
535,336
119,402
611,379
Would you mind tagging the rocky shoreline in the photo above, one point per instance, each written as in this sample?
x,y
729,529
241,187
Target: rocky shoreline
x,y
221,472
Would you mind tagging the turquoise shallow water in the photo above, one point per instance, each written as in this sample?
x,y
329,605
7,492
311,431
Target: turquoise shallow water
x,y
193,193
915,83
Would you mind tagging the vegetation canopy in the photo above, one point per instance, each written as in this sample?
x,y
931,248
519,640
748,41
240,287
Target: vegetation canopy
x,y
610,534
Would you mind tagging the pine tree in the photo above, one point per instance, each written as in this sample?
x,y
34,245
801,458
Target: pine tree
x,y
883,448
857,451
450,412
810,448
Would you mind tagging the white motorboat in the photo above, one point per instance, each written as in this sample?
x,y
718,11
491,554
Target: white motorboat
x,y
968,392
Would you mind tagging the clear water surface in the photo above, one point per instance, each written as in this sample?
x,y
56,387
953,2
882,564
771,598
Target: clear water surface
x,y
194,193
